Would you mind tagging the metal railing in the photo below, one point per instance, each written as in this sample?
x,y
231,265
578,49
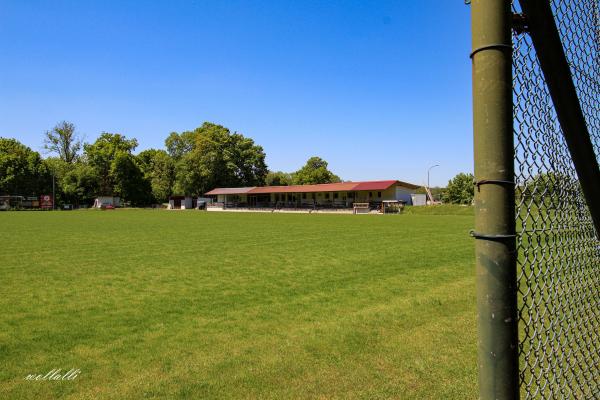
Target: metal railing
x,y
538,197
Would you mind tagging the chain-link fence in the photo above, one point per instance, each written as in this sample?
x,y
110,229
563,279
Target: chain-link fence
x,y
558,259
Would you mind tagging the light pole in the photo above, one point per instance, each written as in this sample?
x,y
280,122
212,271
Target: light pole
x,y
429,169
429,187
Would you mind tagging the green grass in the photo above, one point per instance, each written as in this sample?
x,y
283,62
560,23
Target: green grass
x,y
195,305
441,209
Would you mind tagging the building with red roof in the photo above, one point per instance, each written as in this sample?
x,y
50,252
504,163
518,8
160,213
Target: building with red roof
x,y
329,195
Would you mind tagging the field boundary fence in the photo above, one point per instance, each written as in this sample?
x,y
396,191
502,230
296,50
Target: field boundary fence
x,y
536,116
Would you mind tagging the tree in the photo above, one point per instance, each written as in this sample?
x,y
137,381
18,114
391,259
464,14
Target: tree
x,y
158,169
218,158
191,176
129,182
278,178
78,184
63,141
180,144
22,170
313,172
58,169
460,189
102,154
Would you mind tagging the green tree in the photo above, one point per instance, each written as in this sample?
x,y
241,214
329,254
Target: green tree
x,y
75,183
191,175
79,184
313,172
101,156
159,169
22,171
180,144
278,178
219,158
460,189
130,183
64,141
57,169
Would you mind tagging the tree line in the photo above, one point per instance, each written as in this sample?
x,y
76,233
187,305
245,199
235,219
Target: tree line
x,y
192,163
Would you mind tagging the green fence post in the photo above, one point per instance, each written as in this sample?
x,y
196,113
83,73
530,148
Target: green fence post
x,y
498,360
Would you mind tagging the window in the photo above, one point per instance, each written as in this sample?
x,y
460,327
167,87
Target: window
x,y
304,195
378,194
313,196
327,195
370,194
335,195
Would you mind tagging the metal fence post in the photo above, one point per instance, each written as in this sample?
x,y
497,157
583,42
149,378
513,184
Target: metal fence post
x,y
498,360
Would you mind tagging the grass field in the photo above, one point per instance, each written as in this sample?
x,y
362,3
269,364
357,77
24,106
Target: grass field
x,y
195,305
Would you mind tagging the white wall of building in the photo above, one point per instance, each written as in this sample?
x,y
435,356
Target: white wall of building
x,y
419,200
186,204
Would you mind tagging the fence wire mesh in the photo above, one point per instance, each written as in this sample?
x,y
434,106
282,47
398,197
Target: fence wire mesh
x,y
558,251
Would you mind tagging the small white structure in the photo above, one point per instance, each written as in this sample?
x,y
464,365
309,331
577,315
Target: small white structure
x,y
181,203
107,201
419,199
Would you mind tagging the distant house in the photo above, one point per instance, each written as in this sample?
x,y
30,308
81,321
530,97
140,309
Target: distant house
x,y
329,195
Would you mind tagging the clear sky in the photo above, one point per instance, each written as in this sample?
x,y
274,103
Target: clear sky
x,y
380,89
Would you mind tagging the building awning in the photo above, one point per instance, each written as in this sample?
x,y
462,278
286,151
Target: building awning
x,y
240,190
324,187
374,185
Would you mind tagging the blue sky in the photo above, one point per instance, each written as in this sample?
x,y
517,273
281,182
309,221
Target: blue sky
x,y
379,89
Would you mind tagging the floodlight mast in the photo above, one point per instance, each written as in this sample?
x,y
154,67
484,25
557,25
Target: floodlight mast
x,y
429,169
429,187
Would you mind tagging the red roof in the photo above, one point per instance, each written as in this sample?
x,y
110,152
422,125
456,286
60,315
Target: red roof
x,y
374,185
240,190
325,187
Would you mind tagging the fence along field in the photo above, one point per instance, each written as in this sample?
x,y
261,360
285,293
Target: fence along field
x,y
559,259
556,143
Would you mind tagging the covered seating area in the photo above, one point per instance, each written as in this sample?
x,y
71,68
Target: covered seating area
x,y
378,196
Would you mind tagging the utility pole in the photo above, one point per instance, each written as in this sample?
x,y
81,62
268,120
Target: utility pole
x,y
429,187
53,193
